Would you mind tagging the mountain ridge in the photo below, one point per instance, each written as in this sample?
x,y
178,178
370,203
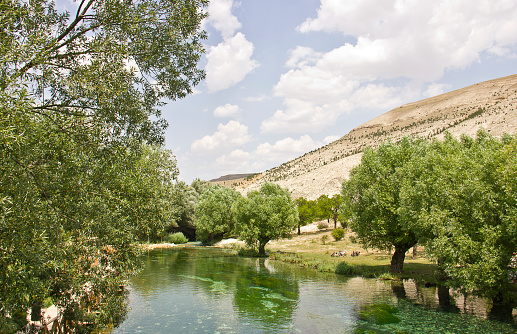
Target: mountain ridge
x,y
489,105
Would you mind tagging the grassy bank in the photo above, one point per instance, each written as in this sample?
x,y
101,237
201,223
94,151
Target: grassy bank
x,y
313,250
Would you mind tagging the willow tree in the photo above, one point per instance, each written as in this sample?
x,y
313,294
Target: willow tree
x,y
462,200
214,218
265,214
80,93
371,199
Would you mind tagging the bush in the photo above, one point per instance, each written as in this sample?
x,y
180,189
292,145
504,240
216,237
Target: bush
x,y
338,233
177,238
322,226
343,268
324,238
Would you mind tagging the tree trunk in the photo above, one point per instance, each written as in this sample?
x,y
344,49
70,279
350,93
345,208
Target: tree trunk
x,y
299,229
262,248
397,260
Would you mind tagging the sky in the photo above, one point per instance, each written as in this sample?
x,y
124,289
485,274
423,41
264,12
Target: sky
x,y
285,77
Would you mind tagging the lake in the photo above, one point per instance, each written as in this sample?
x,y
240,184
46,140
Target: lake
x,y
207,290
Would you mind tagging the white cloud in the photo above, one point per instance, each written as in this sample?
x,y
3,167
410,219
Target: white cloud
x,y
227,110
230,135
229,62
416,39
221,17
330,139
436,89
300,116
400,49
287,148
266,155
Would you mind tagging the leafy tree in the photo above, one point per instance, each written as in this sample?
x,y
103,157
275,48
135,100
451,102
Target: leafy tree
x,y
80,176
464,204
335,208
324,208
372,198
306,212
266,214
185,199
214,215
338,234
200,185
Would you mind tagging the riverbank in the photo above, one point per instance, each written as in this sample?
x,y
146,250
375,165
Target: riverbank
x,y
314,249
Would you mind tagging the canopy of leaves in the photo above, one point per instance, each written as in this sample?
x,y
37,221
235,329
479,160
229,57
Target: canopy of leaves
x,y
372,200
82,175
464,205
214,215
266,214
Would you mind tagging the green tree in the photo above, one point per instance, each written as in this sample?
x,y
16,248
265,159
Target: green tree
x,y
214,215
464,204
335,208
80,176
324,208
306,212
266,214
185,199
371,198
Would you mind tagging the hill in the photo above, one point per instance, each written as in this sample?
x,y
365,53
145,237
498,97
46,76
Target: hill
x,y
234,180
490,105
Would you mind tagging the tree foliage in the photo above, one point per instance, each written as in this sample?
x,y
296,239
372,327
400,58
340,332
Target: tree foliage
x,y
214,215
372,198
82,175
456,197
306,212
264,215
464,206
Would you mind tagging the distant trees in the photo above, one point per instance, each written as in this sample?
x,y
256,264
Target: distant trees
x,y
306,212
264,215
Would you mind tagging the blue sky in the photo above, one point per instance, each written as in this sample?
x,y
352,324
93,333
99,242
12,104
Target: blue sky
x,y
285,77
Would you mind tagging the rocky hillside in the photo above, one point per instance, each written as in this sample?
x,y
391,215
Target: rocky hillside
x,y
490,105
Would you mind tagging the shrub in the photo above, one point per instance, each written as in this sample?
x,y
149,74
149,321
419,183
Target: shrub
x,y
322,226
386,277
324,238
343,268
338,233
177,238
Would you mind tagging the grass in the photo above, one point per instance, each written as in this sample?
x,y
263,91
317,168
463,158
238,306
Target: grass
x,y
307,250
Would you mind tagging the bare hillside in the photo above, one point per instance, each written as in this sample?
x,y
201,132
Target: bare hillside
x,y
490,105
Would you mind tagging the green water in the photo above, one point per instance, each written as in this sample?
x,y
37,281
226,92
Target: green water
x,y
202,290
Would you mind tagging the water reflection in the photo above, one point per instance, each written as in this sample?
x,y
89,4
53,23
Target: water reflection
x,y
210,290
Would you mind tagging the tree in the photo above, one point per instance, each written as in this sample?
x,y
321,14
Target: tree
x,y
185,199
214,215
371,198
82,175
306,212
464,204
324,208
266,214
335,205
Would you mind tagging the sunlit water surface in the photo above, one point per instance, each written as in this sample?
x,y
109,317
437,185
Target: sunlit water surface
x,y
203,290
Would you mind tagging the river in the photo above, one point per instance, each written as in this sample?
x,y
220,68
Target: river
x,y
206,290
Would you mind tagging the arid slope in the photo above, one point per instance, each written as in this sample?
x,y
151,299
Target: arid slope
x,y
490,105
